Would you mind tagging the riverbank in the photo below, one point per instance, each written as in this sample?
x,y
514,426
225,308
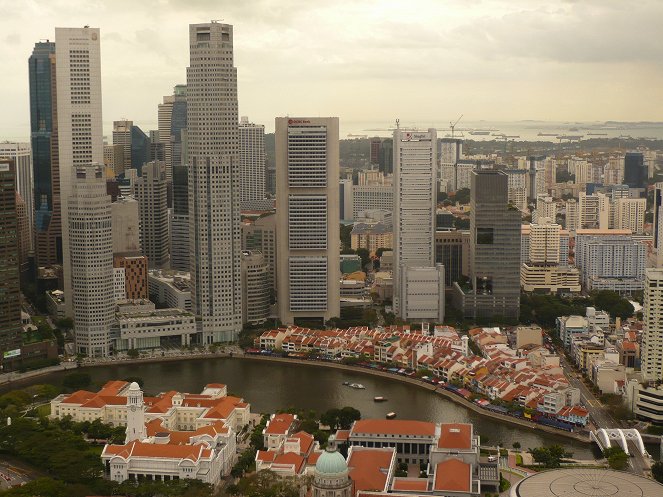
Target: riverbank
x,y
520,423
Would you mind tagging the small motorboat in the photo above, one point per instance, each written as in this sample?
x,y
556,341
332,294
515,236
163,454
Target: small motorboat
x,y
346,383
391,415
379,399
358,386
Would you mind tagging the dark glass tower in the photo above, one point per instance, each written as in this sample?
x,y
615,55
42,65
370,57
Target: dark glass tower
x,y
635,171
43,137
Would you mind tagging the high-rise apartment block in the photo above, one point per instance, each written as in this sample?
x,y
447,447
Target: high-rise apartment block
x,y
572,216
45,157
629,213
307,216
494,250
179,220
10,291
418,282
651,352
610,260
545,207
213,152
251,162
80,140
91,255
151,191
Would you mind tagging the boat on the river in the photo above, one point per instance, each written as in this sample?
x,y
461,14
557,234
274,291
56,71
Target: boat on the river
x,y
380,399
346,383
390,415
358,386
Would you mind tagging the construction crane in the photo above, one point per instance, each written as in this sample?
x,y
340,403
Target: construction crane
x,y
453,125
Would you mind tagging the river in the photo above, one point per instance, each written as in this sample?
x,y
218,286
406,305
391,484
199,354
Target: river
x,y
269,386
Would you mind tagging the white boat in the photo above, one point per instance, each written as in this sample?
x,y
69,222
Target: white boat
x,y
379,399
358,386
391,415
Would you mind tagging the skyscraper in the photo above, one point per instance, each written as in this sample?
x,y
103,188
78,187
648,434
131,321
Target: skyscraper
x,y
251,162
494,250
91,254
10,292
151,191
213,149
80,135
652,334
122,136
179,221
307,216
44,141
172,116
415,202
635,170
22,156
658,223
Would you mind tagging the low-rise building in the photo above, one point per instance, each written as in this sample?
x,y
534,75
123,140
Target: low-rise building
x,y
55,304
170,288
152,328
551,279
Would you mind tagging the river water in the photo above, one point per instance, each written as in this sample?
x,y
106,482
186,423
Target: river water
x,y
270,386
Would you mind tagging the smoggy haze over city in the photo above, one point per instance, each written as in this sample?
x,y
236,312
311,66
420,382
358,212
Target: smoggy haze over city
x,y
367,61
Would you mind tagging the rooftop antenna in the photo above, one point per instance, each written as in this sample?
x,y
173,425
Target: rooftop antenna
x,y
398,124
216,20
453,125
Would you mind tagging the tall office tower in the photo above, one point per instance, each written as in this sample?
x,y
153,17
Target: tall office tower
x,y
545,207
260,236
179,221
651,352
387,156
635,170
270,181
21,154
24,234
415,201
345,189
122,136
10,291
214,214
658,223
79,123
91,251
452,250
255,288
43,138
376,145
450,150
172,117
494,250
572,216
251,162
125,224
307,214
141,149
114,158
629,213
151,191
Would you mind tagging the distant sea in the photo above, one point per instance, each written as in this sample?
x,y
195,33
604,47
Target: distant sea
x,y
527,130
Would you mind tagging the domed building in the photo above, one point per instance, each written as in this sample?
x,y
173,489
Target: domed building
x,y
331,477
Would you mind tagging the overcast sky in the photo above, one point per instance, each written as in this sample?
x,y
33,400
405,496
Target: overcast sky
x,y
365,60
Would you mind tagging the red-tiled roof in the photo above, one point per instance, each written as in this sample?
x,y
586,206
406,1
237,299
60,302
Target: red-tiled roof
x,y
280,424
392,427
453,475
455,436
168,451
369,468
410,484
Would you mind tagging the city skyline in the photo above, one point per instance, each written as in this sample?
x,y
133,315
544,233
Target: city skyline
x,y
488,60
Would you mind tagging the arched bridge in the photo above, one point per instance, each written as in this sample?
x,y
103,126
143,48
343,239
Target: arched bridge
x,y
606,438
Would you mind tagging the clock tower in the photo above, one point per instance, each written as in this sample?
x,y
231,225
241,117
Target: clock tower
x,y
135,414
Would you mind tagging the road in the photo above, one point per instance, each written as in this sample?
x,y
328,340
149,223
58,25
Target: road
x,y
600,416
11,476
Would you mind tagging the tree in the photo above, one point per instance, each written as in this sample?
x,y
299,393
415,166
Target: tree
x,y
365,257
551,456
381,251
462,196
617,458
133,353
613,303
516,445
657,471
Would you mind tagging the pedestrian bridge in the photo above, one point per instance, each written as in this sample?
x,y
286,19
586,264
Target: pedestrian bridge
x,y
606,438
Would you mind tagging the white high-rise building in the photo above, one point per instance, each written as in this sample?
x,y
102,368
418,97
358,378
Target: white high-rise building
x,y
572,217
251,161
151,191
91,255
164,122
545,207
593,211
213,154
415,202
307,218
122,137
629,214
80,135
22,156
658,223
652,334
544,242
